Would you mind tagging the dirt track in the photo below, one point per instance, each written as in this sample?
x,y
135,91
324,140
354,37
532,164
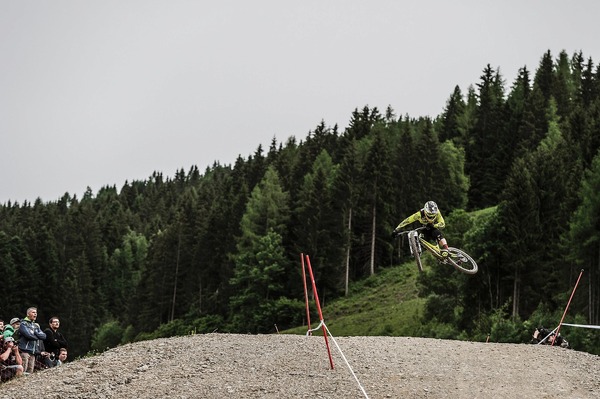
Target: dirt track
x,y
292,366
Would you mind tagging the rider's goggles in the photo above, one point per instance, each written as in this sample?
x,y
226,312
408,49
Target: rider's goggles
x,y
430,216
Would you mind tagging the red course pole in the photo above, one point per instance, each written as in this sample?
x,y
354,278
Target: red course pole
x,y
305,293
567,308
314,286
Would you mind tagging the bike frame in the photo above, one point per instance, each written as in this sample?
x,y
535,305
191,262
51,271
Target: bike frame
x,y
433,248
457,258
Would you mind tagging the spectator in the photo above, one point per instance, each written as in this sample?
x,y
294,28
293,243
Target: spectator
x,y
54,339
30,333
10,360
41,356
12,329
62,356
54,361
1,325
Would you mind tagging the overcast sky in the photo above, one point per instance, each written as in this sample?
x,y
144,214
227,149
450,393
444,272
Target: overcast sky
x,y
99,92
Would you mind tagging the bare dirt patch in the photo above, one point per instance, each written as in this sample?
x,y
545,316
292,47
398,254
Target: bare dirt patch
x,y
293,366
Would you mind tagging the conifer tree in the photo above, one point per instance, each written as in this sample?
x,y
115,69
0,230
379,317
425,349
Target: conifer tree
x,y
565,88
261,267
518,111
521,234
452,128
452,179
225,196
255,167
257,284
428,169
345,197
318,232
267,209
590,88
584,236
544,76
407,176
362,122
488,143
376,181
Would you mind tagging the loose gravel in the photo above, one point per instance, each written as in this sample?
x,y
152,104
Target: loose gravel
x,y
295,366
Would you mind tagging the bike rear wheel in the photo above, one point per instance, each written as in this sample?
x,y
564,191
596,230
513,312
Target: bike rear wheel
x,y
461,261
412,241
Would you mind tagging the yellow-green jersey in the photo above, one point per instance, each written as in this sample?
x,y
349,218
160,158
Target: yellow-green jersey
x,y
419,216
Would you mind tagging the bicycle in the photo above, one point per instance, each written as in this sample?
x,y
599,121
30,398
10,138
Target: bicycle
x,y
459,259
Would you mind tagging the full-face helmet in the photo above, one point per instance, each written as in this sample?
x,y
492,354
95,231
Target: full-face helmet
x,y
431,210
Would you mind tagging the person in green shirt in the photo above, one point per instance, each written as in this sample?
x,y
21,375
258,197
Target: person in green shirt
x,y
12,329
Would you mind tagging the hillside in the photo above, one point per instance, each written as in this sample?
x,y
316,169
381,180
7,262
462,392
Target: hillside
x,y
386,303
296,366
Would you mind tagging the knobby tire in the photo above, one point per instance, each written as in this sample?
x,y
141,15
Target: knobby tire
x,y
412,241
465,263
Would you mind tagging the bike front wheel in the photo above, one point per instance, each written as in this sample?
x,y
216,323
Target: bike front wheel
x,y
461,261
414,247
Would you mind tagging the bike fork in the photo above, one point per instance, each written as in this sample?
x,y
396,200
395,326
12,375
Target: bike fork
x,y
415,238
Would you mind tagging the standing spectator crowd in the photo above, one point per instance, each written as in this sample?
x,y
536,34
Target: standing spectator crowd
x,y
25,348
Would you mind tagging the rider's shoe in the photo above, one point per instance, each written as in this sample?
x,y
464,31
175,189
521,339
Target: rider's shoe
x,y
444,252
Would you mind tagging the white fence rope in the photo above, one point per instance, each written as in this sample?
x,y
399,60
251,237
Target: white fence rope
x,y
345,360
314,329
547,336
581,325
570,325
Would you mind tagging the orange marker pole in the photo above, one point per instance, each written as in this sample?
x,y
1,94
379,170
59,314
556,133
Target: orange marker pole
x,y
567,308
314,286
305,292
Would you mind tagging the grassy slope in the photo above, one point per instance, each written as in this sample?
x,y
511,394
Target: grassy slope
x,y
383,304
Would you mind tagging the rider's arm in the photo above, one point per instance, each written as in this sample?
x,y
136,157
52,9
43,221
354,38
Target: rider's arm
x,y
439,221
411,219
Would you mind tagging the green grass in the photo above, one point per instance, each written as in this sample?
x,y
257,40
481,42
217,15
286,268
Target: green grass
x,y
483,212
383,304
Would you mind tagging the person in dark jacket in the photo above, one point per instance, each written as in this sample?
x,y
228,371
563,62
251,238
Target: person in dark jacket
x,y
30,334
54,338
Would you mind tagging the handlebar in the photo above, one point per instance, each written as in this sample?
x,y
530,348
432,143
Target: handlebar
x,y
401,233
408,231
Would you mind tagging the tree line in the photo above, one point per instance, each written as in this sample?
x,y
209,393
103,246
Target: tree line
x,y
517,171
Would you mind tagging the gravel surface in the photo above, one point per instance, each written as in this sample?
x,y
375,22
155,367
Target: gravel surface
x,y
295,366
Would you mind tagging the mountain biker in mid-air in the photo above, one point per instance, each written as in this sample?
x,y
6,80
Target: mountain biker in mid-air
x,y
432,218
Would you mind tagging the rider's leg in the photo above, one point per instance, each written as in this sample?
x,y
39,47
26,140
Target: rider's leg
x,y
439,238
442,244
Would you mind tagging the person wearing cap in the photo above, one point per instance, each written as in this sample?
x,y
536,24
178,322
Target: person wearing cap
x,y
12,329
10,360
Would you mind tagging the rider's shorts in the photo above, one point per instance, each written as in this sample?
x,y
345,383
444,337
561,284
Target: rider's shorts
x,y
432,234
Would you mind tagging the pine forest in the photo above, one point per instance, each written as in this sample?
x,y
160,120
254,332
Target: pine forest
x,y
514,167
